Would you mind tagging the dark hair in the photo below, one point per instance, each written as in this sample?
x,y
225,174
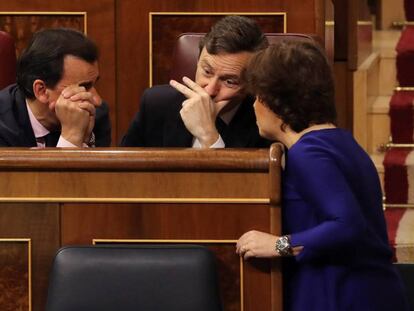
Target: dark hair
x,y
294,79
44,56
233,34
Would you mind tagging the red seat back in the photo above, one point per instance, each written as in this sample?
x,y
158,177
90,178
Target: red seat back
x,y
7,60
186,51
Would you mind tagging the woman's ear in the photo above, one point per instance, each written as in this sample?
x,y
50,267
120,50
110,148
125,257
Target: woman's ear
x,y
283,127
40,91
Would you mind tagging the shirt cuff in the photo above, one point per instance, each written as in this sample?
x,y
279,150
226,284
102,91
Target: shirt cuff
x,y
218,144
63,143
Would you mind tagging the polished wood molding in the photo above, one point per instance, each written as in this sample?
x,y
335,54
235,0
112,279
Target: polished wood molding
x,y
136,175
275,163
134,159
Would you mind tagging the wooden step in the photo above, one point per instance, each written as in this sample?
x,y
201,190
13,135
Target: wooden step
x,y
378,122
380,105
384,43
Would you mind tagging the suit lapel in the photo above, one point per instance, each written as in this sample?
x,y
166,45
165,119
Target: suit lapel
x,y
15,127
242,130
26,135
175,132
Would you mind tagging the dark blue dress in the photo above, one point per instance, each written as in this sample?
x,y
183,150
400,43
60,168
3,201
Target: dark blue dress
x,y
332,206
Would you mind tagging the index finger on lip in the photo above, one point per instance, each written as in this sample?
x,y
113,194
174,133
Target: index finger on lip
x,y
182,89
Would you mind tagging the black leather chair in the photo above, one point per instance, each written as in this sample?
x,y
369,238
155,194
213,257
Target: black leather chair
x,y
126,278
186,51
406,271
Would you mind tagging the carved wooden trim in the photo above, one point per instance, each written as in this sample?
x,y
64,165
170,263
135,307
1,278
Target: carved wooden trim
x,y
22,25
29,273
52,13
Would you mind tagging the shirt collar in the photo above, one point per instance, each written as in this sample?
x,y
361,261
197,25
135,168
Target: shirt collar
x,y
38,129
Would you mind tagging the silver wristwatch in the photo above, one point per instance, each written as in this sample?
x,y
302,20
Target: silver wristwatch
x,y
92,141
283,247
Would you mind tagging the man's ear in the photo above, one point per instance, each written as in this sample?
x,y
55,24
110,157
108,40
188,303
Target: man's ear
x,y
40,91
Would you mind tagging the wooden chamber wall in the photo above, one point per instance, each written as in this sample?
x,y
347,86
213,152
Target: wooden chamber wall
x,y
121,29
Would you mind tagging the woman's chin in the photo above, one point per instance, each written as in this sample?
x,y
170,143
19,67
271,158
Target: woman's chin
x,y
266,135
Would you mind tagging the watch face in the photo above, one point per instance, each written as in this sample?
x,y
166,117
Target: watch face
x,y
283,243
283,246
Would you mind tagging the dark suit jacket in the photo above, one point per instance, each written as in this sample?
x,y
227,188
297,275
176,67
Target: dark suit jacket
x,y
158,123
15,127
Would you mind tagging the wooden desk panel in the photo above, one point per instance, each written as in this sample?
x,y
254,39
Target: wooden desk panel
x,y
91,186
40,223
137,193
83,222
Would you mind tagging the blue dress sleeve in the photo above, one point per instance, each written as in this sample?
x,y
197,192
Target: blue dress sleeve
x,y
322,185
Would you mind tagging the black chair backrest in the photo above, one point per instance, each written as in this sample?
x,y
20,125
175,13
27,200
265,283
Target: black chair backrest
x,y
143,277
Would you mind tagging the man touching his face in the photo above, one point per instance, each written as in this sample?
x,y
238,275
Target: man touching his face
x,y
55,103
213,111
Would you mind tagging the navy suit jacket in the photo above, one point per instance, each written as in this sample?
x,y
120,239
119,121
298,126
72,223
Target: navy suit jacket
x,y
158,123
15,127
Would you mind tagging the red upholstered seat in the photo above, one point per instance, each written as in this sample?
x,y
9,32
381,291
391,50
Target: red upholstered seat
x,y
399,189
393,217
399,162
7,60
401,116
405,57
400,234
395,176
186,51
